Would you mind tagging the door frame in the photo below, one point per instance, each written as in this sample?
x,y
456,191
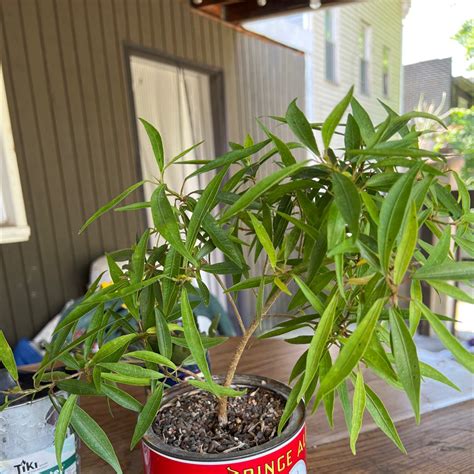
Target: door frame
x,y
217,92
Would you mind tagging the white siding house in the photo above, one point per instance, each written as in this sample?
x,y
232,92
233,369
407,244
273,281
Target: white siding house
x,y
359,44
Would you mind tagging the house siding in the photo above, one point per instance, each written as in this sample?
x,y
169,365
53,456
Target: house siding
x,y
65,76
385,19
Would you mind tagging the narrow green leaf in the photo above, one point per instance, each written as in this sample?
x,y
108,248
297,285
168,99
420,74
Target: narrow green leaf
x,y
370,206
60,431
463,193
328,400
432,373
381,417
94,437
149,356
167,223
260,188
346,404
131,370
222,268
347,199
407,245
203,206
392,213
447,271
334,118
138,258
462,355
112,346
291,404
311,231
363,120
111,204
147,415
320,338
121,398
313,300
6,356
78,387
183,153
406,360
264,239
414,314
301,127
441,251
156,143
126,379
358,408
163,334
352,352
450,290
193,338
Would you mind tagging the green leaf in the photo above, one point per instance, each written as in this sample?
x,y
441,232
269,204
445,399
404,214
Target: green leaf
x,y
193,338
301,127
62,424
121,398
441,251
392,213
313,300
432,373
291,404
156,143
381,417
111,347
264,239
138,259
370,206
153,357
253,282
463,193
183,153
222,268
358,408
217,390
311,231
203,206
462,355
414,314
328,400
352,138
147,415
406,360
111,204
450,290
163,335
407,245
230,157
78,387
260,188
363,120
126,379
320,338
447,271
131,370
334,118
167,223
346,404
347,199
6,356
352,352
94,437
135,206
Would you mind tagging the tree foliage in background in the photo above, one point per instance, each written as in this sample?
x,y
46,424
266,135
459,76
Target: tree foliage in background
x,y
465,37
339,234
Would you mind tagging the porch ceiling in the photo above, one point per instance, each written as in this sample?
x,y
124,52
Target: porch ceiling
x,y
238,11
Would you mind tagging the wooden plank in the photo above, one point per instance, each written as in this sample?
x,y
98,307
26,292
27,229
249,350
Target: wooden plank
x,y
7,319
84,153
144,15
29,155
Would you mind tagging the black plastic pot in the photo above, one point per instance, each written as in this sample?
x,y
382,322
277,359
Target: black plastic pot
x,y
285,454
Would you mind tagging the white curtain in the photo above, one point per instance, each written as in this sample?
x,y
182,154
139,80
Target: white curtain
x,y
177,101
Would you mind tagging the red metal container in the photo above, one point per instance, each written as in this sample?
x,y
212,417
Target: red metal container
x,y
285,454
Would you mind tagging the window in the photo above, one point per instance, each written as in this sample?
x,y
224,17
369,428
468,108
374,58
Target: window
x,y
330,45
364,47
13,226
385,70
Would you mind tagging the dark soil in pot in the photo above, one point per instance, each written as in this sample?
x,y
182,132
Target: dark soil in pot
x,y
189,422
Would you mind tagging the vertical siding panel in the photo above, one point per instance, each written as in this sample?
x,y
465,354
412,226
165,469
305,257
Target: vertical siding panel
x,y
144,16
7,325
131,13
57,197
79,125
30,160
158,32
62,129
92,118
168,26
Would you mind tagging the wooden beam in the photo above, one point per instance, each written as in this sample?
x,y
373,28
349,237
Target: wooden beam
x,y
238,12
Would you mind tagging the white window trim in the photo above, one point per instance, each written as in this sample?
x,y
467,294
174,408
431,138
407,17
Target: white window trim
x,y
16,228
336,37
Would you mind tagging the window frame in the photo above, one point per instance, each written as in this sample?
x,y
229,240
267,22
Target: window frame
x,y
15,228
365,57
332,42
386,71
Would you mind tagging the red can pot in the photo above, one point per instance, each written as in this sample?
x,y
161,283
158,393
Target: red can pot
x,y
285,454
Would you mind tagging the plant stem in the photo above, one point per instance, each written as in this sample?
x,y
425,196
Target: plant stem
x,y
222,407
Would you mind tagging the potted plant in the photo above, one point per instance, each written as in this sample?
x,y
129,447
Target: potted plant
x,y
338,233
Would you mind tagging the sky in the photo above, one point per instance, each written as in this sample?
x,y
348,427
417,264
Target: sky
x,y
428,28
